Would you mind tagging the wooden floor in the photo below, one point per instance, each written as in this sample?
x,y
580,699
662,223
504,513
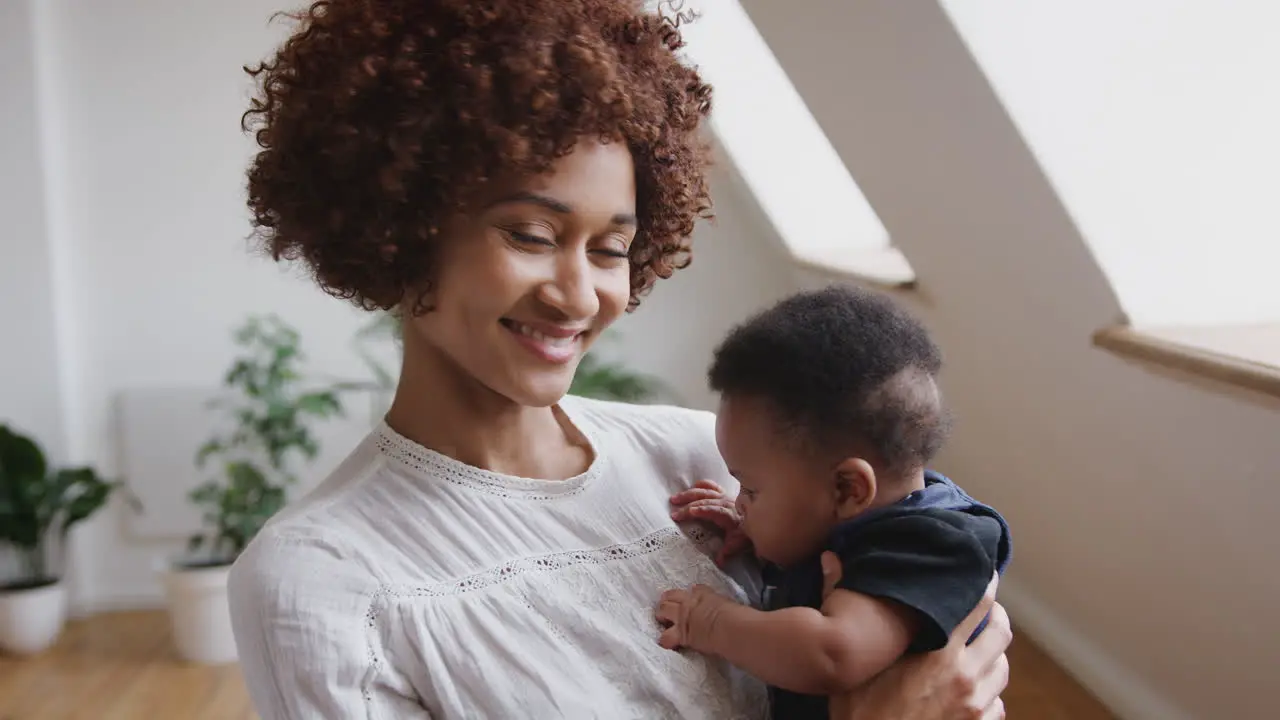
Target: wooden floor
x,y
120,667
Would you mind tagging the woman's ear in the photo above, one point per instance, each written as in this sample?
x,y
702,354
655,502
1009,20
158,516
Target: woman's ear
x,y
855,487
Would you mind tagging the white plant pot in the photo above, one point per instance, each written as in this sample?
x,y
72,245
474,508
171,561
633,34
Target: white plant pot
x,y
31,620
200,616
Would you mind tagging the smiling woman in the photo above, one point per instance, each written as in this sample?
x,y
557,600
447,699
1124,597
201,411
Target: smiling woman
x,y
550,252
512,177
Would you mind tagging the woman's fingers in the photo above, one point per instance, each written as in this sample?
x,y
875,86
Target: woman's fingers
x,y
831,573
992,682
988,648
965,629
986,664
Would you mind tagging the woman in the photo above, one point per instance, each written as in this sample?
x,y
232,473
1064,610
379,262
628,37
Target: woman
x,y
512,176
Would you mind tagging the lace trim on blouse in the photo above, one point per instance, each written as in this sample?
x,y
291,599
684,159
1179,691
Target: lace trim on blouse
x,y
433,466
651,543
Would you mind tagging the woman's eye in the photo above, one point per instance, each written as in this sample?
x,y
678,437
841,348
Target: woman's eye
x,y
613,247
529,239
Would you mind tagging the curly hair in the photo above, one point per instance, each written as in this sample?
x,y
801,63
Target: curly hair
x,y
839,365
377,119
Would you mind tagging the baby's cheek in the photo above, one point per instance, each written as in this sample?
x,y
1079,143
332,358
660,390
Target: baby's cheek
x,y
756,526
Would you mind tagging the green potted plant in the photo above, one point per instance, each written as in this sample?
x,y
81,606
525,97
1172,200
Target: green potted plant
x,y
271,408
38,507
607,380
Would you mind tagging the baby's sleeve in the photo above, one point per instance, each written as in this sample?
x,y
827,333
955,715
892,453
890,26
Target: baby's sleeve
x,y
934,564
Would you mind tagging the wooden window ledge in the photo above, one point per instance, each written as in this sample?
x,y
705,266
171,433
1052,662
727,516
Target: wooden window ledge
x,y
1247,356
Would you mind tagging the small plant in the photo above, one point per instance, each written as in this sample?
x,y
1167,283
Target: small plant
x,y
605,380
38,505
271,412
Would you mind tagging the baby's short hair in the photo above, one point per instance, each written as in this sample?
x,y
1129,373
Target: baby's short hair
x,y
843,368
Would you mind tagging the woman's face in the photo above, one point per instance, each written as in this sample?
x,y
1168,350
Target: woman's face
x,y
529,279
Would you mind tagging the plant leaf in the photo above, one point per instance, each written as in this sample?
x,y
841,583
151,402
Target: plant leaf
x,y
86,494
21,460
320,404
212,447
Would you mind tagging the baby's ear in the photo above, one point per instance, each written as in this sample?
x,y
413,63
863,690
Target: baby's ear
x,y
855,487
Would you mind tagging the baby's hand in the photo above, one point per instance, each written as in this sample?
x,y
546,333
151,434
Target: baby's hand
x,y
707,501
689,616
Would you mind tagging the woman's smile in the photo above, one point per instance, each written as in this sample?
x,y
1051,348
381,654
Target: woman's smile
x,y
557,344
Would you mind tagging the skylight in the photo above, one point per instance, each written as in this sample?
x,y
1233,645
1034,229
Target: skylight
x,y
777,146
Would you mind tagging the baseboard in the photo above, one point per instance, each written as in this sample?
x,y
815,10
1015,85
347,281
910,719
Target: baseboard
x,y
118,600
1127,695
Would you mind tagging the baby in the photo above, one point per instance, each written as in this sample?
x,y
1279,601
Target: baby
x,y
829,413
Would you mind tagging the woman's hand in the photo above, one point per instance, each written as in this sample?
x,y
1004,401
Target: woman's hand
x,y
708,502
958,682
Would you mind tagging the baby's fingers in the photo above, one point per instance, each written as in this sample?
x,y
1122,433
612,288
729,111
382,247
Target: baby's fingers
x,y
670,638
684,497
709,485
718,511
734,543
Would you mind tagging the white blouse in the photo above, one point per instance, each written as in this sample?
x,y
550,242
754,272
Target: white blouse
x,y
410,585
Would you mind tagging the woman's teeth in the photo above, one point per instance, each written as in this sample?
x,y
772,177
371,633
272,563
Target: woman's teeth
x,y
558,342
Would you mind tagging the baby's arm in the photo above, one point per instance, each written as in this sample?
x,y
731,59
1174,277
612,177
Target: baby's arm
x,y
850,640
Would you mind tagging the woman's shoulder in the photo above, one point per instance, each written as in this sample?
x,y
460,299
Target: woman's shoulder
x,y
676,439
316,538
284,584
293,560
671,425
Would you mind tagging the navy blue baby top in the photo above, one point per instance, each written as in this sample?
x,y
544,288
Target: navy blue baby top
x,y
933,551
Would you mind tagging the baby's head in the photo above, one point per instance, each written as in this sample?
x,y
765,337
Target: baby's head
x,y
829,406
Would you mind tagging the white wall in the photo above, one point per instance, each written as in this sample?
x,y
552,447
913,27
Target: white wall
x,y
1156,122
735,272
29,398
1142,503
146,192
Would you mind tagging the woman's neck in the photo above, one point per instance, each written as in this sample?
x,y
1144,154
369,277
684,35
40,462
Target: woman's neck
x,y
441,407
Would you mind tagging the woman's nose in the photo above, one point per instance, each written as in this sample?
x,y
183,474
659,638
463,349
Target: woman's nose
x,y
572,288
